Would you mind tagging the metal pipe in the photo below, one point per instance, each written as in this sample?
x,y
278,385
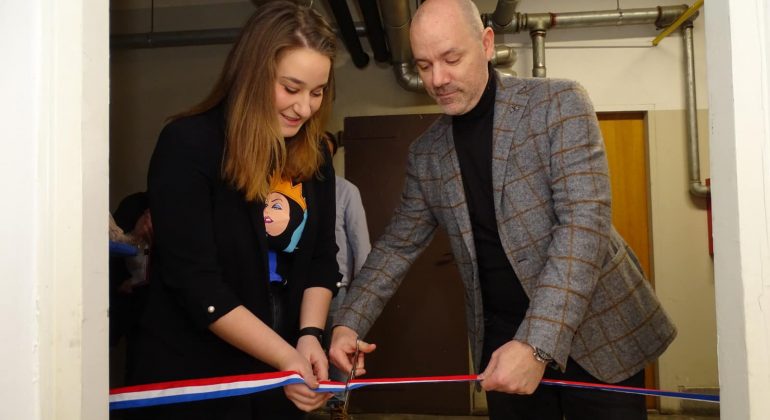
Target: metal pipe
x,y
504,59
174,39
697,188
661,16
503,15
374,30
407,78
692,10
504,55
347,28
187,38
538,52
397,18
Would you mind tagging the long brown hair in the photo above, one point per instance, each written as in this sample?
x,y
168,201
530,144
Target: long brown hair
x,y
255,150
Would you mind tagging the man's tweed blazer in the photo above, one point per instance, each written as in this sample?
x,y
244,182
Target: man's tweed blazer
x,y
588,297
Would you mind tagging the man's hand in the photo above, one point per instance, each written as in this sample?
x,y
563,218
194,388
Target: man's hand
x,y
343,348
300,394
513,369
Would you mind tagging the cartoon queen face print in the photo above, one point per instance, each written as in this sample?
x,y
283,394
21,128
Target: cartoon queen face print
x,y
276,213
285,214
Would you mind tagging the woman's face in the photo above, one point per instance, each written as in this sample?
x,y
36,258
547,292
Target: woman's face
x,y
301,76
276,214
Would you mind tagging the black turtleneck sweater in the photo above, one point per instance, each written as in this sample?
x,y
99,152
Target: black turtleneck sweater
x,y
501,290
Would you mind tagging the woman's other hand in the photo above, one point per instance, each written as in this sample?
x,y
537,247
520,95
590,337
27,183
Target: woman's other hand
x,y
303,395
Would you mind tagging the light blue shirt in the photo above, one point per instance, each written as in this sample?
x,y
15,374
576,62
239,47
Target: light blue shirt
x,y
351,231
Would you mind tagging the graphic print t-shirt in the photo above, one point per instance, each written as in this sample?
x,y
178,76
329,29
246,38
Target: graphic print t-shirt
x,y
285,214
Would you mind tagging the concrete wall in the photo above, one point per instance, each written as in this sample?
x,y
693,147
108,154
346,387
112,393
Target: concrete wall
x,y
618,67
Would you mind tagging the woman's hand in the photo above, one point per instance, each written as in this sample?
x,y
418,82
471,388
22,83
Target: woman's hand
x,y
310,348
303,395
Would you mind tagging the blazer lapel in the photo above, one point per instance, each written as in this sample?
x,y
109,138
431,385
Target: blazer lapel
x,y
509,106
452,183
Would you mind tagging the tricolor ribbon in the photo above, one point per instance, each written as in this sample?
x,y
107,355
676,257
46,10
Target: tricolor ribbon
x,y
228,386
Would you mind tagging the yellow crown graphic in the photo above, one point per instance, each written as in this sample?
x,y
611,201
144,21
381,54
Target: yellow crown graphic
x,y
290,190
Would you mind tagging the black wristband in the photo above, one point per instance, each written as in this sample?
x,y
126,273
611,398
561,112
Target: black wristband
x,y
314,331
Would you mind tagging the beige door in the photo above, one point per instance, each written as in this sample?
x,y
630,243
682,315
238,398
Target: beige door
x,y
625,141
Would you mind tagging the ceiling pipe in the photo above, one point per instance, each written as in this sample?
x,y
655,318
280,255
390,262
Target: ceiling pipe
x,y
347,29
174,39
504,59
376,34
538,52
539,23
684,17
697,188
187,38
503,17
397,17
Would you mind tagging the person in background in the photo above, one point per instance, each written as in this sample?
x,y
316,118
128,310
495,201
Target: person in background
x,y
351,230
231,293
516,173
129,280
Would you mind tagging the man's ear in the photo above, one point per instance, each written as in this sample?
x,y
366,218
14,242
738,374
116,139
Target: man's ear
x,y
488,42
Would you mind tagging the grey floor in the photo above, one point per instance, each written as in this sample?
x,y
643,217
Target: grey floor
x,y
325,416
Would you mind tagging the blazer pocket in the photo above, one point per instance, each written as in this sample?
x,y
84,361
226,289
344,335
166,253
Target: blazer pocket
x,y
618,279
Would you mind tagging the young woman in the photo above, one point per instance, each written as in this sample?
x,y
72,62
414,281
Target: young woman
x,y
230,292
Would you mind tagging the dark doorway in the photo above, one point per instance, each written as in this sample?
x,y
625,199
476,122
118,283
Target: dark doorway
x,y
422,330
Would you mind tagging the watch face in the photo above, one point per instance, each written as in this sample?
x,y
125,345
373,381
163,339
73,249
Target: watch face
x,y
543,355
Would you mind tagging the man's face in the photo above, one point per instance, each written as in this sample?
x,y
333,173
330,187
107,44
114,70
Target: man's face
x,y
451,61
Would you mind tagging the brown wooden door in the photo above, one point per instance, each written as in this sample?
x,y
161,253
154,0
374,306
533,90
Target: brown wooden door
x,y
422,330
625,142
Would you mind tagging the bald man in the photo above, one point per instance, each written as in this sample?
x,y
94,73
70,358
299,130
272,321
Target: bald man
x,y
517,175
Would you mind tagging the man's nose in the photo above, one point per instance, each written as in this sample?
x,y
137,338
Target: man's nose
x,y
440,76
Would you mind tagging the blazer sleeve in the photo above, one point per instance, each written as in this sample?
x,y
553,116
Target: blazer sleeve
x,y
580,186
324,271
410,231
184,170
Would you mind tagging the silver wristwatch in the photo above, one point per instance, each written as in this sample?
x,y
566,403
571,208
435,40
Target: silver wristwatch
x,y
541,356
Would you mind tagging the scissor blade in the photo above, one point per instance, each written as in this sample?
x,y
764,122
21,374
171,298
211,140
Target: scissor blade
x,y
351,376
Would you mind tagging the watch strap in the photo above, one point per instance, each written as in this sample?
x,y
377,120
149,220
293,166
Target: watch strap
x,y
314,331
541,355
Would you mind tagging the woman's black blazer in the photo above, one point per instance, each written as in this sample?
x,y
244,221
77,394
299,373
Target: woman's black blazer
x,y
210,255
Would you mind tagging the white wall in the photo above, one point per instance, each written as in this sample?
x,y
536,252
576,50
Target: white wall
x,y
20,371
54,176
739,82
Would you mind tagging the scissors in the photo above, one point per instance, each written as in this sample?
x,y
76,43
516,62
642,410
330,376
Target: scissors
x,y
351,376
